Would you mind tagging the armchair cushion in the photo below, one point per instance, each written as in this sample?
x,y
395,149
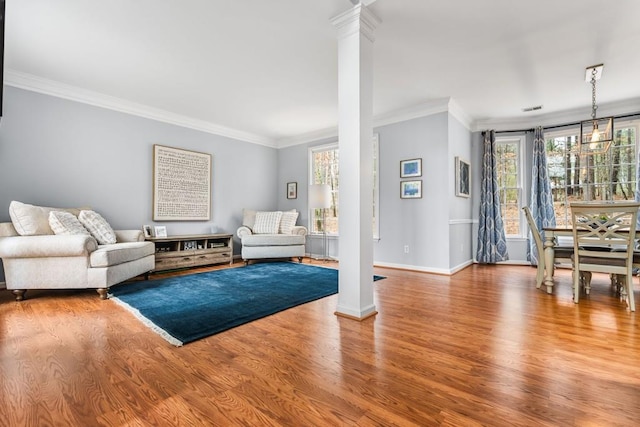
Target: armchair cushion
x,y
273,240
66,223
98,227
108,255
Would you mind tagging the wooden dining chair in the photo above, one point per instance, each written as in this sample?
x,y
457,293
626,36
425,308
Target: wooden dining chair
x,y
560,253
604,240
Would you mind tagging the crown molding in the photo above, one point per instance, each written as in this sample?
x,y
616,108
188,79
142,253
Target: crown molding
x,y
456,111
357,19
61,90
441,105
628,106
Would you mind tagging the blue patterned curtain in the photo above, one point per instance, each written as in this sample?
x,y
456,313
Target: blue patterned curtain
x,y
541,197
492,243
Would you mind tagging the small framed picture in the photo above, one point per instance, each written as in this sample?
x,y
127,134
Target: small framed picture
x,y
292,190
160,231
463,178
411,189
147,231
410,168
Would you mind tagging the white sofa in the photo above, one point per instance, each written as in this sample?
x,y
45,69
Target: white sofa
x,y
36,258
275,237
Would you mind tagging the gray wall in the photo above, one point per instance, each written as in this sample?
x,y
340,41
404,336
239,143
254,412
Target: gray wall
x,y
55,152
460,215
422,224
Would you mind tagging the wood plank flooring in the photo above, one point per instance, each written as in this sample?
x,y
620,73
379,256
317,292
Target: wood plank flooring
x,y
481,348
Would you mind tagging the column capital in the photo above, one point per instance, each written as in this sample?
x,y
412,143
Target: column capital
x,y
357,19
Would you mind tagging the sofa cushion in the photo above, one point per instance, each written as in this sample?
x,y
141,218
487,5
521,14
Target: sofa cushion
x,y
248,218
267,222
273,240
31,220
98,227
119,253
66,223
288,221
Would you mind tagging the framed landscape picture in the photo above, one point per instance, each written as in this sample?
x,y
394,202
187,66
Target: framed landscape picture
x,y
410,168
411,189
463,178
292,190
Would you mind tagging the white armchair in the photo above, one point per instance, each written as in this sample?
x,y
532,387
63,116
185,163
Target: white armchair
x,y
266,235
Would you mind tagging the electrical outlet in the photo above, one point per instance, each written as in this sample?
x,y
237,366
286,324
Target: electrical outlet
x,y
406,249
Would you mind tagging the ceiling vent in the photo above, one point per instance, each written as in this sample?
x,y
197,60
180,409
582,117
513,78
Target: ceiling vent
x,y
529,109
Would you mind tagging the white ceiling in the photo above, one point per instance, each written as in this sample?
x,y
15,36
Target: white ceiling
x,y
266,71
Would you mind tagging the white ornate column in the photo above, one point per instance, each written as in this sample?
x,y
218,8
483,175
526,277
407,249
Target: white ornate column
x,y
355,133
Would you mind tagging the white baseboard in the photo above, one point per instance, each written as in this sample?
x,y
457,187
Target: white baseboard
x,y
413,268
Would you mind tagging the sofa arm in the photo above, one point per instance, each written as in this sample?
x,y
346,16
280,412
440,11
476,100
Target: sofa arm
x,y
299,229
47,246
243,231
129,236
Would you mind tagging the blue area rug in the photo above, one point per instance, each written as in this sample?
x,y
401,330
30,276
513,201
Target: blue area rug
x,y
187,308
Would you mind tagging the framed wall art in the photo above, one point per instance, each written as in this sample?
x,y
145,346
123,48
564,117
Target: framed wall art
x,y
411,189
463,178
410,168
181,185
292,190
160,231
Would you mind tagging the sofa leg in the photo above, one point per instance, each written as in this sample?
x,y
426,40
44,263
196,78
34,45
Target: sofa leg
x,y
102,292
147,275
300,259
246,262
19,293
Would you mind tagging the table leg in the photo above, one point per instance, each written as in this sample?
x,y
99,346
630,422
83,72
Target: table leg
x,y
549,242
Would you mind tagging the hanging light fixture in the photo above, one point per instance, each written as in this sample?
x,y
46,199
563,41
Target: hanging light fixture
x,y
596,134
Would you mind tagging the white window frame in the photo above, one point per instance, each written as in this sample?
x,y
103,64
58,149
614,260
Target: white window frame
x,y
618,124
376,194
520,165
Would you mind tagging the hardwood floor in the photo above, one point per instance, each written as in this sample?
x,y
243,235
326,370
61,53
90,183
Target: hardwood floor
x,y
483,347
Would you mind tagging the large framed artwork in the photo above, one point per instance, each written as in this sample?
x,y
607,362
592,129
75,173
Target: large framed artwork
x,y
463,178
181,184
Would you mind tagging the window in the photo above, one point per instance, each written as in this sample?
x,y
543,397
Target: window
x,y
324,167
509,173
607,176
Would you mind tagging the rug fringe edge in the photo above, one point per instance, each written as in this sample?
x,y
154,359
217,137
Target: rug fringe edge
x,y
148,323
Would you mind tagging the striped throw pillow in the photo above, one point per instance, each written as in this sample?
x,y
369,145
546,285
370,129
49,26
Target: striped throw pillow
x,y
288,221
267,222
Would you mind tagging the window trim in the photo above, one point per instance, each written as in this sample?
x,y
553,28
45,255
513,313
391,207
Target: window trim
x,y
376,196
520,165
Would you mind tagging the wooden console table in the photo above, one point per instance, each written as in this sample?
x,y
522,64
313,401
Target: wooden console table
x,y
192,250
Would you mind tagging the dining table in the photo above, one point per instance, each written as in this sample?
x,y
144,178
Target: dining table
x,y
550,235
550,241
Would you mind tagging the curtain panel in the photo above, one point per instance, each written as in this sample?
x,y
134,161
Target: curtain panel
x,y
492,243
541,195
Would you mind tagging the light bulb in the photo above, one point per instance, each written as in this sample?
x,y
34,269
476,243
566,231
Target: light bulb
x,y
595,137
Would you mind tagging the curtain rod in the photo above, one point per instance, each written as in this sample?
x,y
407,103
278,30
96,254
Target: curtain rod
x,y
625,116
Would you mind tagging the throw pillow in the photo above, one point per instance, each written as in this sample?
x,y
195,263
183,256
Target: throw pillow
x,y
248,218
288,221
31,220
66,224
267,222
98,227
